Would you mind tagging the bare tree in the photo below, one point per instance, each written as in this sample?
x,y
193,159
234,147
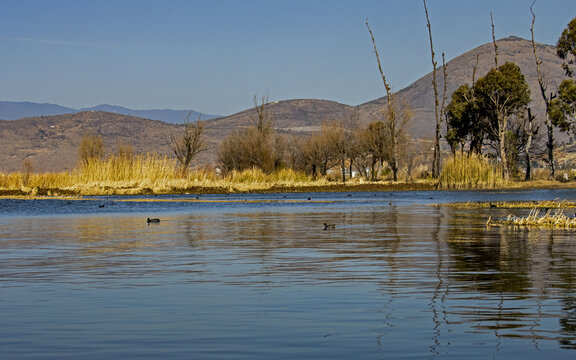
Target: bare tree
x,y
319,151
547,98
395,127
256,146
189,144
395,121
361,155
375,143
494,42
263,121
437,115
91,148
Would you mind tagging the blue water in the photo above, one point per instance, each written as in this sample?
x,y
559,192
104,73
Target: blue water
x,y
256,276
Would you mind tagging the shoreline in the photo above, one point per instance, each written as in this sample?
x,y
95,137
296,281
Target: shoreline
x,y
383,186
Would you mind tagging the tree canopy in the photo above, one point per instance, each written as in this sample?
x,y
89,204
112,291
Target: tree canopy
x,y
484,109
566,47
563,108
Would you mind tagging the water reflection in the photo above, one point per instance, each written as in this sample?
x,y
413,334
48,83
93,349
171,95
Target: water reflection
x,y
523,271
416,280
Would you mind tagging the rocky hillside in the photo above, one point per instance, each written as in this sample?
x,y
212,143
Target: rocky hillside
x,y
50,143
420,94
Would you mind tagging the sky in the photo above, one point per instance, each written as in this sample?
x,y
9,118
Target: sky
x,y
214,56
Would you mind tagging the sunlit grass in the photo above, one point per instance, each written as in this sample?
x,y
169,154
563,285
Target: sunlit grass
x,y
470,172
147,174
154,174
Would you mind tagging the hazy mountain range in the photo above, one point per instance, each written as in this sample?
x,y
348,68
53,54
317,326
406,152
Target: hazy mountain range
x,y
13,110
50,143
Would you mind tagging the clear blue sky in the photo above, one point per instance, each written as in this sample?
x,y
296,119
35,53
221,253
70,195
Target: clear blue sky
x,y
213,56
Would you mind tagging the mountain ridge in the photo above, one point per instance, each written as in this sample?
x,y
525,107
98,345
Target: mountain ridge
x,y
14,110
36,141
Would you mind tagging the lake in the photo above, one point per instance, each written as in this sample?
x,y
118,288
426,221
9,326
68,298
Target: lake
x,y
256,276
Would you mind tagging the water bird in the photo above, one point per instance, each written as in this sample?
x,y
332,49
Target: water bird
x,y
329,226
101,205
154,220
492,205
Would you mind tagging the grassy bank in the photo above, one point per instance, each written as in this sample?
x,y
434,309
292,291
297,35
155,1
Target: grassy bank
x,y
153,174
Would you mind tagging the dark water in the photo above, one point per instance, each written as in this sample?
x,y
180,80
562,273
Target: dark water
x,y
257,277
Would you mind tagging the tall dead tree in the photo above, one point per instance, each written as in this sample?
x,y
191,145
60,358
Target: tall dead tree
x,y
436,156
547,98
395,118
445,90
494,42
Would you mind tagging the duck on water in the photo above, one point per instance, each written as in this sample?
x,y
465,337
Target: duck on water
x,y
329,226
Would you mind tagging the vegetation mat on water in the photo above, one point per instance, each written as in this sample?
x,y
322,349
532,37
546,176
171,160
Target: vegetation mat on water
x,y
547,204
548,220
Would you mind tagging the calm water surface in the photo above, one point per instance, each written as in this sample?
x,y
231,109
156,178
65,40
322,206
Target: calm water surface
x,y
256,277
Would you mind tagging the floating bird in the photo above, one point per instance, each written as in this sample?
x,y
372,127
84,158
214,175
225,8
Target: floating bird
x,y
329,226
102,205
148,220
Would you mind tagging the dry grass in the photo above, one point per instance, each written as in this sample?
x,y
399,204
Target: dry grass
x,y
548,220
470,172
153,174
147,174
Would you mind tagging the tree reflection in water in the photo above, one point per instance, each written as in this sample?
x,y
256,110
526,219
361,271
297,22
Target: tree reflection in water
x,y
521,271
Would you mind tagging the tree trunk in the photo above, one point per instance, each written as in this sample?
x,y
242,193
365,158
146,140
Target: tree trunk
x,y
530,133
436,158
550,146
343,169
502,138
542,85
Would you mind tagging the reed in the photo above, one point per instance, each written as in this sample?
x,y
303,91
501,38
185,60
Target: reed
x,y
549,219
147,173
126,168
470,172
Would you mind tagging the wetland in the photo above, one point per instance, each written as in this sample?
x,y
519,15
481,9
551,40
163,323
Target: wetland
x,y
257,276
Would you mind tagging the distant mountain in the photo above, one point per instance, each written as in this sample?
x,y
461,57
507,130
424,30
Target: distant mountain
x,y
10,110
308,115
50,143
166,115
